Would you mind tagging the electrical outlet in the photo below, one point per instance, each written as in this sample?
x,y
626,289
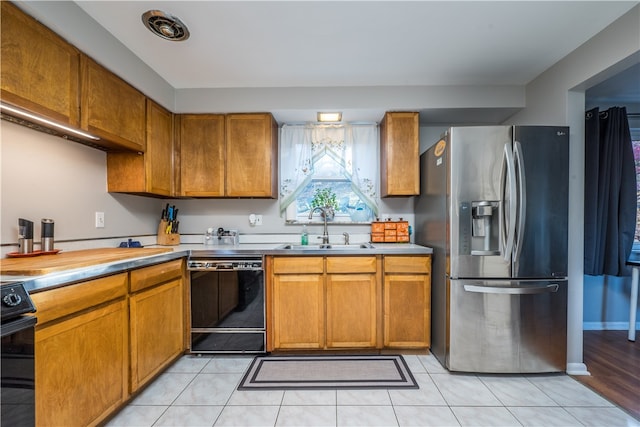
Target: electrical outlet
x,y
99,219
258,219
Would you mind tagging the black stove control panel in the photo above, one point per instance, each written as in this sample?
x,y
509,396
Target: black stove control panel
x,y
14,301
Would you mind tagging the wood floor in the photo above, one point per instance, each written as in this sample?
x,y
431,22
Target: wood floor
x,y
614,364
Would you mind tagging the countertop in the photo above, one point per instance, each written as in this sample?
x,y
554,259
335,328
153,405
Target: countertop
x,y
35,284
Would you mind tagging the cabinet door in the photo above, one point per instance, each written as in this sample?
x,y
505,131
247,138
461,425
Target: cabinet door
x,y
156,330
298,311
111,108
158,158
150,172
81,367
252,165
40,71
351,310
202,162
399,155
407,310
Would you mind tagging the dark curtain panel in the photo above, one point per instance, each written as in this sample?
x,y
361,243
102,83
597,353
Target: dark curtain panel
x,y
610,193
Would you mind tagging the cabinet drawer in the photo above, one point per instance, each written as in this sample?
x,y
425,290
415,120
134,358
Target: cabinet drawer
x,y
148,276
377,227
56,303
296,265
351,264
407,264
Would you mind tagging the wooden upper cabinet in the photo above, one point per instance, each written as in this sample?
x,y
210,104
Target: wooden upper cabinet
x,y
201,139
399,154
111,108
40,71
228,156
151,172
252,155
159,153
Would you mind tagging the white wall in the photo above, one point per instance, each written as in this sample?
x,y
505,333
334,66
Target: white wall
x,y
198,215
557,97
44,176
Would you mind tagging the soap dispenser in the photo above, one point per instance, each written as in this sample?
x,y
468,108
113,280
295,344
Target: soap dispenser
x,y
304,236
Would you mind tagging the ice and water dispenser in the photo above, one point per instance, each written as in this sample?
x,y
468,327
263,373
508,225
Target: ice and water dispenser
x,y
479,228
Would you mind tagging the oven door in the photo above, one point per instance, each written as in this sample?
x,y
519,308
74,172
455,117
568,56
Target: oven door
x,y
18,372
227,311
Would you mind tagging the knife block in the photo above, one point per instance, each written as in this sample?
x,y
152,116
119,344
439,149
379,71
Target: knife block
x,y
164,238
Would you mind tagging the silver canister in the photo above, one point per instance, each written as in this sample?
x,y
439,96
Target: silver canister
x,y
46,240
25,236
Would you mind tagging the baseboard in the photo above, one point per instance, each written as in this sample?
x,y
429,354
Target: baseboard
x,y
577,369
607,326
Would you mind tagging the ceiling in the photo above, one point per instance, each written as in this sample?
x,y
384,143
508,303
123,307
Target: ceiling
x,y
317,44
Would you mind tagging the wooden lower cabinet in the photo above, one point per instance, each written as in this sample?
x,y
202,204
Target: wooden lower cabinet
x,y
156,331
298,311
98,341
82,357
407,301
156,320
351,311
324,302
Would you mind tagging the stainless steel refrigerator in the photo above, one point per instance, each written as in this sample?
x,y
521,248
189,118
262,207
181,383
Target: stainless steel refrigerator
x,y
493,206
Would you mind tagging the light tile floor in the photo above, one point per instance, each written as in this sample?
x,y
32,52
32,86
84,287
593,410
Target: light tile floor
x,y
201,391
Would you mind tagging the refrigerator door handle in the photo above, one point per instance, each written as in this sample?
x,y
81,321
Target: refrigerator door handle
x,y
522,200
508,228
521,290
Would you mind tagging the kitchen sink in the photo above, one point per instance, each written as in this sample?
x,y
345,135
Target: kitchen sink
x,y
325,247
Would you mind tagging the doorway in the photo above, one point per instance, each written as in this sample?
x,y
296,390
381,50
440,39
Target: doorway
x,y
612,360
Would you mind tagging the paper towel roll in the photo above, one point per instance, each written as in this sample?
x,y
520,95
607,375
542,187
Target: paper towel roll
x,y
291,212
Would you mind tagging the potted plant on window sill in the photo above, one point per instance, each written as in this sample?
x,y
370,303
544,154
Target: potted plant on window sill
x,y
327,199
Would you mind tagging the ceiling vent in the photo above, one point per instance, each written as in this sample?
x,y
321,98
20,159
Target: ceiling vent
x,y
165,25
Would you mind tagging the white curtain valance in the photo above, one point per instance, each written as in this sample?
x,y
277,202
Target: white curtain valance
x,y
353,147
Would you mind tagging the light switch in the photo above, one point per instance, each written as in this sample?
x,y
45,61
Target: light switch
x,y
99,219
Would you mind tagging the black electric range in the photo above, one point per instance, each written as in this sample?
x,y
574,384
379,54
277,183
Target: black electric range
x,y
17,382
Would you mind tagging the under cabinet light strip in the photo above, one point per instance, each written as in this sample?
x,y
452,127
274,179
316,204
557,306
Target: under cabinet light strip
x,y
28,116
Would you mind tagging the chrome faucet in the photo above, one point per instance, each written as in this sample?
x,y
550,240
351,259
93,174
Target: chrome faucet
x,y
325,234
346,238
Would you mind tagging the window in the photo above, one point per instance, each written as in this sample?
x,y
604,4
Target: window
x,y
342,158
350,207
